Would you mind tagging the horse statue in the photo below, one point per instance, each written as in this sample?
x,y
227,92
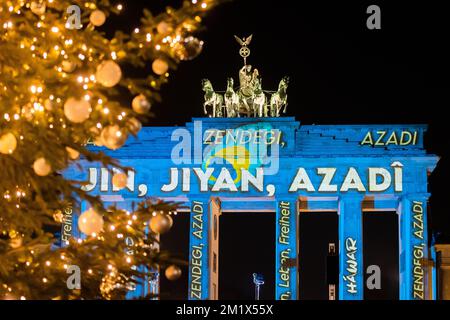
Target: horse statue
x,y
278,99
231,100
259,101
248,81
212,99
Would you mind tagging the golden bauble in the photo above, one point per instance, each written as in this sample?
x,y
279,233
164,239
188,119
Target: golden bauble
x,y
38,8
68,66
108,73
134,125
121,54
58,216
119,180
16,242
90,222
160,66
49,105
8,143
173,272
77,111
189,48
97,18
164,28
42,167
161,223
98,142
27,111
113,137
140,104
73,154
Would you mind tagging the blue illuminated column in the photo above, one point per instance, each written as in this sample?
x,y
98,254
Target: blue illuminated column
x,y
213,247
199,249
413,247
286,249
351,281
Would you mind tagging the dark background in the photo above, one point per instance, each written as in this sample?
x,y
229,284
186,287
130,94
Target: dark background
x,y
317,230
247,245
341,72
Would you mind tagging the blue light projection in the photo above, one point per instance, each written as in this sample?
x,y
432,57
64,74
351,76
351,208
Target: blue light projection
x,y
278,165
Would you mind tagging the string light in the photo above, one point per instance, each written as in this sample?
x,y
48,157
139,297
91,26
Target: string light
x,y
42,96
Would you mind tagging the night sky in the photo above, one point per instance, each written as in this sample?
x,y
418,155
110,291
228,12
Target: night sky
x,y
341,73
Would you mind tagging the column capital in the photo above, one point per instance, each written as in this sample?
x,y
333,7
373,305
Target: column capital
x,y
353,196
413,196
199,197
286,196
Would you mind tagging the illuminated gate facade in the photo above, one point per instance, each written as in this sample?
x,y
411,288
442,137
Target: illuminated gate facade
x,y
215,165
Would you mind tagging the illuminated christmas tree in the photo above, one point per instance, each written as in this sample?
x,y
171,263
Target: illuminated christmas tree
x,y
62,84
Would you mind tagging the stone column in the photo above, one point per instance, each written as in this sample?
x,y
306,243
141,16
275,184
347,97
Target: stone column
x,y
213,248
199,249
286,264
413,247
351,280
